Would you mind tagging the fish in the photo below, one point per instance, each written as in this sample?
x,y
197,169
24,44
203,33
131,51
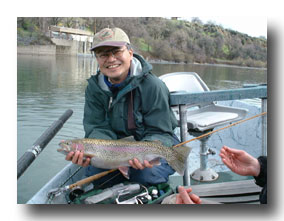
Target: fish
x,y
111,154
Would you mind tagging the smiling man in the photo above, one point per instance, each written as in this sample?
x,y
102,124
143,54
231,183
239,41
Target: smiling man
x,y
114,63
125,99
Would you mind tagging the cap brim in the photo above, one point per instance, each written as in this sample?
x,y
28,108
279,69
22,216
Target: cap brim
x,y
109,43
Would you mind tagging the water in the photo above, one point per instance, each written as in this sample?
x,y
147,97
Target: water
x,y
49,85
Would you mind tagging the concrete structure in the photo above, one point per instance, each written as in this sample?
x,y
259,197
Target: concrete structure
x,y
37,49
67,41
71,41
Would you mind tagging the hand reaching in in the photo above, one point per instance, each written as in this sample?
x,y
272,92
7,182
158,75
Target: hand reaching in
x,y
240,161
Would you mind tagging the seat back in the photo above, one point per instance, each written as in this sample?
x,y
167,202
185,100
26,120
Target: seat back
x,y
204,115
184,82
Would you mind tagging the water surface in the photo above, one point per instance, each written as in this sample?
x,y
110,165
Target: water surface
x,y
49,85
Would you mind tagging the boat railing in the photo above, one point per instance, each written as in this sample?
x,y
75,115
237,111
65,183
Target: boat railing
x,y
183,99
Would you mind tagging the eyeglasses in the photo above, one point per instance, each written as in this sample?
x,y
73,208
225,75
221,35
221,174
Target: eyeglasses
x,y
115,52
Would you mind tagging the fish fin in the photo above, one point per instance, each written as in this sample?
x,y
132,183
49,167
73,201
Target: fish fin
x,y
178,161
124,171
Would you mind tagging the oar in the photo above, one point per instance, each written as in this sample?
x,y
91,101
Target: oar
x,y
29,156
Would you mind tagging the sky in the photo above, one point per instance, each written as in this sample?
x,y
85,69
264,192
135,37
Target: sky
x,y
254,26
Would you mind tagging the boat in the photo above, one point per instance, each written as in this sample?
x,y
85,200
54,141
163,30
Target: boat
x,y
222,188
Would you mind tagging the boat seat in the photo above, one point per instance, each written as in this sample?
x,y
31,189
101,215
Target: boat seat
x,y
201,117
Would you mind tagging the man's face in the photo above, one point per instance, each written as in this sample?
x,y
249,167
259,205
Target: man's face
x,y
114,62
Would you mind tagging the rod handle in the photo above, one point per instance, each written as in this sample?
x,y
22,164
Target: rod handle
x,y
91,178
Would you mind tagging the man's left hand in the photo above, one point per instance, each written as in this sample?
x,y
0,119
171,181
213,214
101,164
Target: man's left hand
x,y
136,164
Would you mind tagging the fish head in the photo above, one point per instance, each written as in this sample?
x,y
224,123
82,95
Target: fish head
x,y
66,146
69,145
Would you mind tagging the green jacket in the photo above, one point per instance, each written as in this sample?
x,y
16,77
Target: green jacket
x,y
105,116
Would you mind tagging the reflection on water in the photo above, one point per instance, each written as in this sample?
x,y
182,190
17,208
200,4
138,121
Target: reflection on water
x,y
49,85
217,77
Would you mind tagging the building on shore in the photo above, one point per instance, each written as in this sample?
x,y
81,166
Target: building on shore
x,y
67,41
70,40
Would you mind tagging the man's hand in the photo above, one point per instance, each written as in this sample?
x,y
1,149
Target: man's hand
x,y
136,164
78,158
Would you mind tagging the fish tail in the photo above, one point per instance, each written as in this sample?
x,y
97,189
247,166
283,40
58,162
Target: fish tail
x,y
178,159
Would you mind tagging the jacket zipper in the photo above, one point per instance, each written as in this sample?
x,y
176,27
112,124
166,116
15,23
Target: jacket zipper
x,y
110,102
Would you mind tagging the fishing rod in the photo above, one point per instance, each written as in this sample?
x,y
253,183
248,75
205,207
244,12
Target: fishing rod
x,y
58,191
30,155
214,131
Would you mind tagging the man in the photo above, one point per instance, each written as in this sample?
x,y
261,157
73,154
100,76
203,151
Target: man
x,y
125,99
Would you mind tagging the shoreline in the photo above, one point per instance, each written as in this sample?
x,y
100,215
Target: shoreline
x,y
45,52
205,64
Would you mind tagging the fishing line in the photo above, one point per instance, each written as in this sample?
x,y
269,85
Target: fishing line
x,y
214,131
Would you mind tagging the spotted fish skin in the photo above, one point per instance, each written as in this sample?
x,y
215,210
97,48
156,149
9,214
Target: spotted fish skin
x,y
110,154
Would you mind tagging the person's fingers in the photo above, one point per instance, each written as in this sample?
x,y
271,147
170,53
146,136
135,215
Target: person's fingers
x,y
195,198
221,155
138,164
147,164
179,199
80,158
233,151
228,163
188,190
223,149
135,163
185,196
86,162
75,157
132,164
69,156
186,199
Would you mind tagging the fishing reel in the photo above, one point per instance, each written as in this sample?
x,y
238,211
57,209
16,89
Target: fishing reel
x,y
141,198
76,192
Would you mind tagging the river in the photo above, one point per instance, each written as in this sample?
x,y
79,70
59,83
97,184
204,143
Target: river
x,y
49,85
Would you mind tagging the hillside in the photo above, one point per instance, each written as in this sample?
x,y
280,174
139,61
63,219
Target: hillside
x,y
163,39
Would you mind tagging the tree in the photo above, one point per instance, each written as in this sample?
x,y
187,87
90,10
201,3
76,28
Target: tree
x,y
178,40
55,20
196,20
161,49
69,22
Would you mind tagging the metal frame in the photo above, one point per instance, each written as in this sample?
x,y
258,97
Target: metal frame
x,y
183,99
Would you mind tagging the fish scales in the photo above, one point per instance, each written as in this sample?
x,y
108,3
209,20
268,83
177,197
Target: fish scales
x,y
109,154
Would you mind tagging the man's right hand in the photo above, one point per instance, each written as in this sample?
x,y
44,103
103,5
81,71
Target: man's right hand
x,y
78,158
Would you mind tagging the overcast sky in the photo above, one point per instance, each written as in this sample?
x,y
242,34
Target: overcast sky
x,y
253,26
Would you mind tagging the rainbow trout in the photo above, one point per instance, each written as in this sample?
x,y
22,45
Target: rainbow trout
x,y
110,154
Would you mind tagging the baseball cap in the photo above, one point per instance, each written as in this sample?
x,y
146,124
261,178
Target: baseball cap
x,y
110,37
